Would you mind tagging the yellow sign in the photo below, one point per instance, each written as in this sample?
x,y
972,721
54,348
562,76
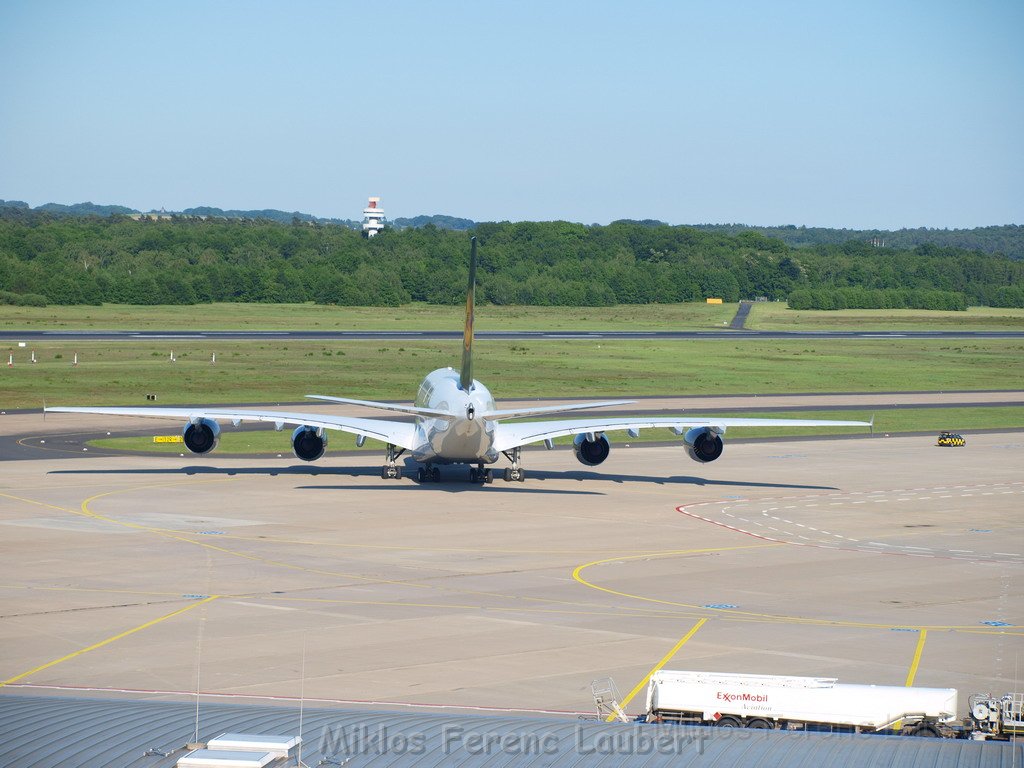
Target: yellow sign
x,y
714,301
168,439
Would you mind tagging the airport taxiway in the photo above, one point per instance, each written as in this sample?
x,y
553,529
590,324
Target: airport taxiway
x,y
884,560
725,334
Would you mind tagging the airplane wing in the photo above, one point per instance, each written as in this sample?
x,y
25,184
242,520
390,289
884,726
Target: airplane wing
x,y
398,433
413,409
509,436
516,413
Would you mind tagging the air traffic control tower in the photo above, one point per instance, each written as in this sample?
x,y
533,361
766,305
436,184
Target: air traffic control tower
x,y
373,217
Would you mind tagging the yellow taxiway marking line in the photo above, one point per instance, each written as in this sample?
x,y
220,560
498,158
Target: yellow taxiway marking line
x,y
177,536
21,442
726,614
619,612
912,673
664,660
174,596
464,606
87,512
737,615
108,641
412,548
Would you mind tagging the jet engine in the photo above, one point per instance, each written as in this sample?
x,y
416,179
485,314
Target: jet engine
x,y
307,444
703,444
201,436
591,452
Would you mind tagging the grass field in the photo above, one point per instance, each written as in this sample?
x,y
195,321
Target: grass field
x,y
691,316
886,422
411,317
776,316
123,373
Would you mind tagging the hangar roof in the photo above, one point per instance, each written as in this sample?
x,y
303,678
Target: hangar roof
x,y
42,731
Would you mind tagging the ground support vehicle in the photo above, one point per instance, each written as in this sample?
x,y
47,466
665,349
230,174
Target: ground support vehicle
x,y
993,718
798,703
729,700
950,440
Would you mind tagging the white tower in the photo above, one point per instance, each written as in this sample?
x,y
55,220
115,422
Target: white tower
x,y
373,217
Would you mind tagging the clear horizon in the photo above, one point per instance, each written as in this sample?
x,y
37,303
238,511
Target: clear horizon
x,y
872,116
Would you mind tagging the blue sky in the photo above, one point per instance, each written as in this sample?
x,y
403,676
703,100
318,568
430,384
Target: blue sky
x,y
868,114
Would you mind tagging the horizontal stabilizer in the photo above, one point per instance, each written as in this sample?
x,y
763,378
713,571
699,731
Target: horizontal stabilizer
x,y
386,406
515,413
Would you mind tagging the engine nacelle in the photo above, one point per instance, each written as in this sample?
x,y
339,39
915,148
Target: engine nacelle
x,y
591,452
703,444
201,436
307,444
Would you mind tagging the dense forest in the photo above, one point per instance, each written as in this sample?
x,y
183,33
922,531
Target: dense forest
x,y
74,260
1007,240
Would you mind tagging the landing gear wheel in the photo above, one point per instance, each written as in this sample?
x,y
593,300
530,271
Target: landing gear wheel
x,y
384,473
420,475
435,474
514,473
472,475
488,477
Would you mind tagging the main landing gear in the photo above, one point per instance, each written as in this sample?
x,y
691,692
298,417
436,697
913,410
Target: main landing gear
x,y
391,470
428,474
515,473
478,474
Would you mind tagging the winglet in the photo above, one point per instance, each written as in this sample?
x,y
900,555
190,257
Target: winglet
x,y
466,374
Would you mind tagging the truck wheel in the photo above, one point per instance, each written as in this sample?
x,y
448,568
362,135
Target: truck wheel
x,y
757,722
928,731
728,722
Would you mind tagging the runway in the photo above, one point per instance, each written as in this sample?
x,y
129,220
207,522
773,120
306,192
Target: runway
x,y
885,561
717,335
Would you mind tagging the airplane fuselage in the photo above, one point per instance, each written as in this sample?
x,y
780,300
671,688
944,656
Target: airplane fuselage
x,y
462,439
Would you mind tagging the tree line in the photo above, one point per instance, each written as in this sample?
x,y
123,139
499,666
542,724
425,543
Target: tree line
x,y
1007,239
186,261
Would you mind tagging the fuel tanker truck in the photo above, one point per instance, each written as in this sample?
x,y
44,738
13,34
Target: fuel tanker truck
x,y
730,700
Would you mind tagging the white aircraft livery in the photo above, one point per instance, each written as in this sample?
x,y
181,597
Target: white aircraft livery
x,y
457,422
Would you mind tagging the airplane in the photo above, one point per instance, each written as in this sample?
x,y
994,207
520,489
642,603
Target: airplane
x,y
457,422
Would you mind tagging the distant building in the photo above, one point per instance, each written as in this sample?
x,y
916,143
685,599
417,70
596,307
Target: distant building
x,y
162,214
373,217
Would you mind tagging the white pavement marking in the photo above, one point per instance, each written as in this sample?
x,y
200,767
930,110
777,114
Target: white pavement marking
x,y
731,509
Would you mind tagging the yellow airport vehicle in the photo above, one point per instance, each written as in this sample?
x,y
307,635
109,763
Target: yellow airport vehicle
x,y
951,440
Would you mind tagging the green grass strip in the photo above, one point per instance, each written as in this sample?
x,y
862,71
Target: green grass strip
x,y
123,373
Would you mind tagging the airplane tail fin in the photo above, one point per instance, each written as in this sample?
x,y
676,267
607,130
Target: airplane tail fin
x,y
466,373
